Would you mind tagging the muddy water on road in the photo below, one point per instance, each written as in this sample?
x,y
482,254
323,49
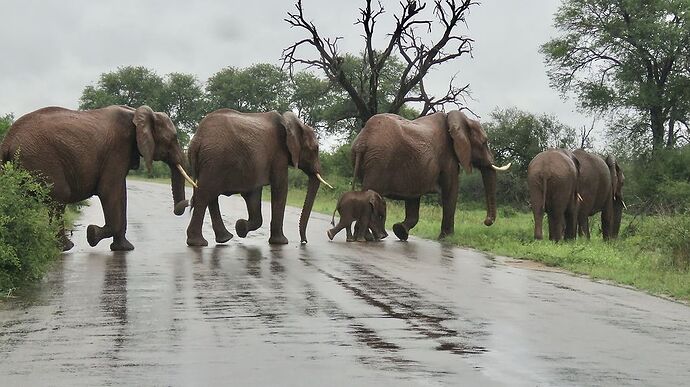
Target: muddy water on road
x,y
325,313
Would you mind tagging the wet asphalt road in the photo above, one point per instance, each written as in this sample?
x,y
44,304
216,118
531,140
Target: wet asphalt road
x,y
326,313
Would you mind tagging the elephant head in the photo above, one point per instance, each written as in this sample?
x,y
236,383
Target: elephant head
x,y
471,148
378,212
157,140
303,148
617,180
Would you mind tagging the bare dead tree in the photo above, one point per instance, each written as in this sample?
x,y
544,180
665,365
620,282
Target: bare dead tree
x,y
418,55
585,133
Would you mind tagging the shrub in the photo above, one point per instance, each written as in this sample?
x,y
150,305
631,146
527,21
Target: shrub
x,y
28,241
671,236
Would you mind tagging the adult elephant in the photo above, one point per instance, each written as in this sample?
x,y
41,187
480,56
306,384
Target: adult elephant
x,y
86,153
403,160
235,152
552,179
601,187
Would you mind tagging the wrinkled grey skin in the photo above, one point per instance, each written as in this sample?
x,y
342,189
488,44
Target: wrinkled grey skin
x,y
403,160
600,185
552,181
86,153
234,152
367,208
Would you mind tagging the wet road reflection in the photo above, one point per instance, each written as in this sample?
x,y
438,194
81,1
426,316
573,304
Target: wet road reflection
x,y
336,313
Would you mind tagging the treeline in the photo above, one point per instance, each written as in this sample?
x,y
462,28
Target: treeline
x,y
261,87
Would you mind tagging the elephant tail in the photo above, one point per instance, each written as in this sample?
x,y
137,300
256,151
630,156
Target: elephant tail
x,y
543,193
355,170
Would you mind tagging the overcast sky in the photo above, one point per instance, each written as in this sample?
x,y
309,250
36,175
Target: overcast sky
x,y
50,50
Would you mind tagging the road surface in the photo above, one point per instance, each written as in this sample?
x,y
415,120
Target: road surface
x,y
413,313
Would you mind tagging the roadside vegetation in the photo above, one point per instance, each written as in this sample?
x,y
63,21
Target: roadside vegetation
x,y
28,242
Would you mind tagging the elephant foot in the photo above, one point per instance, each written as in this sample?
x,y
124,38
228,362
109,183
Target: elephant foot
x,y
330,234
223,237
197,241
66,244
400,231
278,240
369,236
242,228
444,234
95,234
121,245
351,239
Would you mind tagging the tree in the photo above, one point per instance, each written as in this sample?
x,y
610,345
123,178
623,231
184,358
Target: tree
x,y
258,88
517,136
178,95
404,45
5,123
626,57
131,86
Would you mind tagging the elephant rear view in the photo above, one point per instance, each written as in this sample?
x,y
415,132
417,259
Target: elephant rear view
x,y
601,187
86,153
403,160
235,152
552,181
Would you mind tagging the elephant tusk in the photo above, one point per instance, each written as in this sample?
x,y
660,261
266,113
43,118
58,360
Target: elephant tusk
x,y
624,206
186,176
318,176
579,197
503,168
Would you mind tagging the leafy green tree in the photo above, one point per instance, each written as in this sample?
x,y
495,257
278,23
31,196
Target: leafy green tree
x,y
630,58
178,95
131,86
183,99
517,136
5,123
258,88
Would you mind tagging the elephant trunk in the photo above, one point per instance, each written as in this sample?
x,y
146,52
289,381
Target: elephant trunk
x,y
489,179
312,189
177,181
618,205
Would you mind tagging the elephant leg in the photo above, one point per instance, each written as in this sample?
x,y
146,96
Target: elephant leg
x,y
556,226
194,235
570,224
115,212
401,230
338,227
607,220
278,201
222,233
361,228
583,226
253,201
538,223
350,236
449,201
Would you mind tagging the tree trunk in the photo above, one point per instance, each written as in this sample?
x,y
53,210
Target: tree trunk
x,y
657,125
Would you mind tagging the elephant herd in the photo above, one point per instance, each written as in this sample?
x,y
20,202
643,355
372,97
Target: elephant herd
x,y
571,186
86,153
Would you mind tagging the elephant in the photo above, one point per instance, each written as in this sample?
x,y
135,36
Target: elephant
x,y
234,152
86,153
601,188
552,179
367,208
403,160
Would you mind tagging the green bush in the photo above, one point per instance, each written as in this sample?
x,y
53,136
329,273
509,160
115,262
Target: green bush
x,y
159,170
28,241
670,235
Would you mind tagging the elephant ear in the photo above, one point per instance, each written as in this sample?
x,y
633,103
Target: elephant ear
x,y
616,177
293,134
459,130
143,120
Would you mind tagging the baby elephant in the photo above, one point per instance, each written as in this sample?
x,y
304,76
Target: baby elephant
x,y
367,208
